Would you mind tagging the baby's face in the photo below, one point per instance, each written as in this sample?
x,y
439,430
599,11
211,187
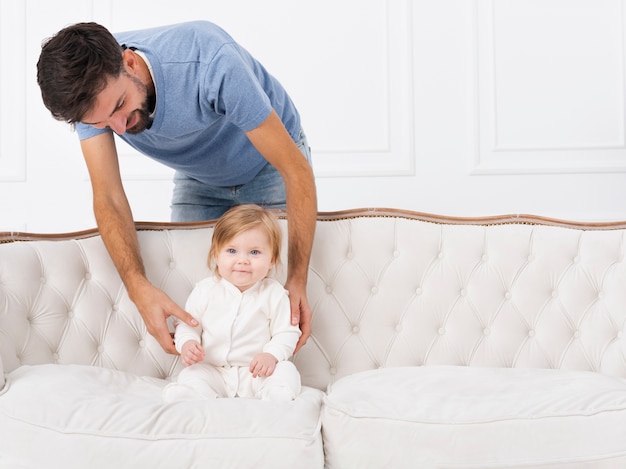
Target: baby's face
x,y
245,259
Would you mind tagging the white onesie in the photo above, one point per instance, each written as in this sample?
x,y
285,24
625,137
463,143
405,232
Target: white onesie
x,y
235,326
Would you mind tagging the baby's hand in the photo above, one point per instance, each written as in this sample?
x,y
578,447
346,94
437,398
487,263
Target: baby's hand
x,y
192,353
263,365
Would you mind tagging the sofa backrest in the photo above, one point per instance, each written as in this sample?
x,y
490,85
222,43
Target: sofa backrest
x,y
387,288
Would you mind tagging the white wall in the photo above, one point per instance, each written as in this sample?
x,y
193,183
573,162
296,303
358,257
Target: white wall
x,y
456,107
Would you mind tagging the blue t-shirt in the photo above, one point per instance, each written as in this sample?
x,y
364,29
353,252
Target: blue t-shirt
x,y
210,91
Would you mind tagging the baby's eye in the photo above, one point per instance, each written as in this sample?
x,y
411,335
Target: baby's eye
x,y
255,252
231,251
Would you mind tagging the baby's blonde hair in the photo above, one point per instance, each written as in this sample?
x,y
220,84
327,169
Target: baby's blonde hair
x,y
243,218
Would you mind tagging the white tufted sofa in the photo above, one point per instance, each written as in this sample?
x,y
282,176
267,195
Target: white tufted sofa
x,y
437,342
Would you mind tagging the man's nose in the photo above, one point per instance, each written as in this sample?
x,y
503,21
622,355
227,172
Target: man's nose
x,y
117,123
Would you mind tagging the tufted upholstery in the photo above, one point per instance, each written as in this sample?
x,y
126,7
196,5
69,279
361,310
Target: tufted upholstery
x,y
407,292
500,342
388,288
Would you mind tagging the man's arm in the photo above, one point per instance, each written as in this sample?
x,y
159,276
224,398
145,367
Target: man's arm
x,y
117,228
273,141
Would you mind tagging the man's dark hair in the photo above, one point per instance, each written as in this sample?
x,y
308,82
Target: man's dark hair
x,y
74,67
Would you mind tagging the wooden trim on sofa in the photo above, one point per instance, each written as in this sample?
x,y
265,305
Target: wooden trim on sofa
x,y
486,220
7,237
10,236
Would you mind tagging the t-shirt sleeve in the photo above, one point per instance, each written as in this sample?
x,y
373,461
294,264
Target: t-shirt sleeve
x,y
86,131
234,90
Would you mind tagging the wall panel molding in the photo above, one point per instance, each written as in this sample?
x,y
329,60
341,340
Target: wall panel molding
x,y
397,157
549,84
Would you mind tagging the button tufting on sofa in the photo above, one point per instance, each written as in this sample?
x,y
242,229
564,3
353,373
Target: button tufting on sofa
x,y
468,344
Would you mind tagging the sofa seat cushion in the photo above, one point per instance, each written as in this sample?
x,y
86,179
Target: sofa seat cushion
x,y
447,416
71,416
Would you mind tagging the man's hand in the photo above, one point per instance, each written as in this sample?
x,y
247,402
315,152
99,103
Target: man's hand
x,y
192,353
155,307
300,312
263,364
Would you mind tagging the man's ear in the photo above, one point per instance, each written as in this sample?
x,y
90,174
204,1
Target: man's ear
x,y
129,58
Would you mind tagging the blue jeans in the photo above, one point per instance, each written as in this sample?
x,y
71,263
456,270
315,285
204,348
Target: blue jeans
x,y
195,201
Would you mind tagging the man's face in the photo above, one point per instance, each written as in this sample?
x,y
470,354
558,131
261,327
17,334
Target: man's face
x,y
121,106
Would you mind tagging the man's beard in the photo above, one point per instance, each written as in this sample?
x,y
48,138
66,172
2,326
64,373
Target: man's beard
x,y
145,119
144,122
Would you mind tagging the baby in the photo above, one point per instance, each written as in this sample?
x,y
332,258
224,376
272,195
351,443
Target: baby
x,y
244,338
